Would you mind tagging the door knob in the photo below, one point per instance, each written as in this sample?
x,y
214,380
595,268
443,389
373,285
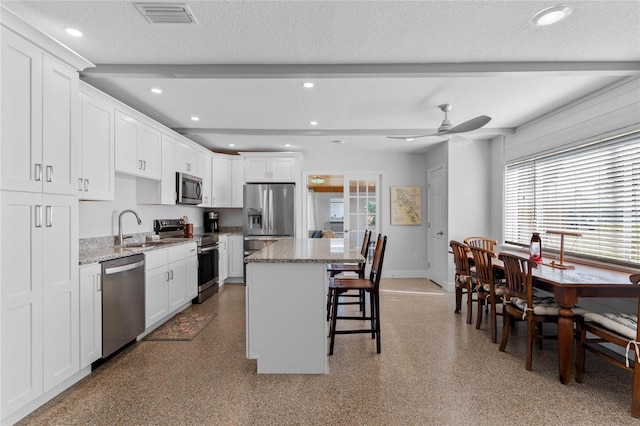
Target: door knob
x,y
440,233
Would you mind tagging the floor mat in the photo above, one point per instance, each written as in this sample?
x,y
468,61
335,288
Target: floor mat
x,y
185,325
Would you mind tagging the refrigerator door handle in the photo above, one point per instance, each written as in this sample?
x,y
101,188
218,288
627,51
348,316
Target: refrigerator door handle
x,y
270,210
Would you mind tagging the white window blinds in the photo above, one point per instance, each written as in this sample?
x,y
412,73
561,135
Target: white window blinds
x,y
592,189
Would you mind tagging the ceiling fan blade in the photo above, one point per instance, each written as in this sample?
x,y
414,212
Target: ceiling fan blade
x,y
467,126
412,137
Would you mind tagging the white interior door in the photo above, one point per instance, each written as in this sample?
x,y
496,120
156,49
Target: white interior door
x,y
361,207
435,226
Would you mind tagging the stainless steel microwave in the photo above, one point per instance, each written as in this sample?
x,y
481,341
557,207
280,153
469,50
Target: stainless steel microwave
x,y
189,189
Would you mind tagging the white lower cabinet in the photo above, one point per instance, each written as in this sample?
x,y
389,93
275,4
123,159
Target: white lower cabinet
x,y
169,281
223,258
90,314
236,256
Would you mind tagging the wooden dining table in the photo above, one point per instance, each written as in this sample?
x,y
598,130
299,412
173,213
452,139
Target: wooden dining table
x,y
569,285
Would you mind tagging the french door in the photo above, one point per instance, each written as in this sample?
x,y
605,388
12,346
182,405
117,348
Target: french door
x,y
361,207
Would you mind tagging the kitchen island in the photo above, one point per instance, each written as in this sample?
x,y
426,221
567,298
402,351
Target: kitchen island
x,y
286,303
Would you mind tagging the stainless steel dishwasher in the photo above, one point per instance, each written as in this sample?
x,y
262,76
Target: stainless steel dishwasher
x,y
122,302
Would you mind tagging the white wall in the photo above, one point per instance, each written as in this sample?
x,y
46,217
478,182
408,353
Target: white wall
x,y
395,170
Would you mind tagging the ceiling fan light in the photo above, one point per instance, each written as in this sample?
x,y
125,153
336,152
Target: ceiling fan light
x,y
550,15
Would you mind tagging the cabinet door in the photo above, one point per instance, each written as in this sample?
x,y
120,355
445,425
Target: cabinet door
x,y
149,151
156,295
177,288
168,172
256,169
236,256
126,142
21,309
61,304
187,160
21,114
207,181
60,127
283,169
90,314
221,185
192,276
237,182
223,259
97,166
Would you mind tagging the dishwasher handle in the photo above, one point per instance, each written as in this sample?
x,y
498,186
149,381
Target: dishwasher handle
x,y
116,269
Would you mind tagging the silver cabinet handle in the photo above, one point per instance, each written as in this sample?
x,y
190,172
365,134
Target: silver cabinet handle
x,y
99,282
38,216
86,185
38,172
167,279
80,184
49,222
49,173
171,274
140,164
188,167
144,164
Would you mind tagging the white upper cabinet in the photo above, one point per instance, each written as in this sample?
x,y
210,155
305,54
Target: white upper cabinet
x,y
221,181
97,165
137,147
206,181
262,168
40,127
188,160
237,181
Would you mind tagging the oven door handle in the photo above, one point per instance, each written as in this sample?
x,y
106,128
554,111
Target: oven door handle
x,y
206,249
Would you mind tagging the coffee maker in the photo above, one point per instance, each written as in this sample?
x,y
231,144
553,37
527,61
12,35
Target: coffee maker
x,y
211,222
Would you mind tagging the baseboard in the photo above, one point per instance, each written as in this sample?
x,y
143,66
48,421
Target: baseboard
x,y
405,274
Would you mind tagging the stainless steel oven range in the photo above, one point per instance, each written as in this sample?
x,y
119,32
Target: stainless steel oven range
x,y
207,254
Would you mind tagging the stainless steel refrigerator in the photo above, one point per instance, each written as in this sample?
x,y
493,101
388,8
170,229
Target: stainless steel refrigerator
x,y
269,214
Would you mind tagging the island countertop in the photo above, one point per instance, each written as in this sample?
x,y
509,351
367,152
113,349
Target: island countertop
x,y
307,250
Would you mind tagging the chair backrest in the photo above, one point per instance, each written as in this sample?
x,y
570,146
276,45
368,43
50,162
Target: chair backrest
x,y
364,251
378,257
460,257
518,275
482,242
635,278
482,260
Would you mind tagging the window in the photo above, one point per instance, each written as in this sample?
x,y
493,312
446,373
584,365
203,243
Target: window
x,y
593,189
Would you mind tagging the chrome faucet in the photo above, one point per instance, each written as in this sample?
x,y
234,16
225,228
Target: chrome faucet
x,y
121,237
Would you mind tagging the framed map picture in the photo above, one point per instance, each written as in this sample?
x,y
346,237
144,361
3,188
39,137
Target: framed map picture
x,y
406,205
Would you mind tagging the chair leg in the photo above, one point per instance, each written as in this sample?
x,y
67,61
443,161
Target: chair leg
x,y
362,303
469,305
373,313
377,302
494,320
580,353
458,300
328,305
538,329
479,318
530,331
506,325
334,313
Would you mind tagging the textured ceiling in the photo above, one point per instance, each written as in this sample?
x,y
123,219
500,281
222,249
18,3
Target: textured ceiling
x,y
380,67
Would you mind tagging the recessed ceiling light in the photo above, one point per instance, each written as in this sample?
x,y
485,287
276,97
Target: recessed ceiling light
x,y
194,118
409,139
313,123
73,32
551,15
156,90
287,145
308,85
232,144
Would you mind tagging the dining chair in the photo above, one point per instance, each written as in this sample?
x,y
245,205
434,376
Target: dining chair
x,y
371,285
520,303
489,291
619,329
482,242
340,268
465,280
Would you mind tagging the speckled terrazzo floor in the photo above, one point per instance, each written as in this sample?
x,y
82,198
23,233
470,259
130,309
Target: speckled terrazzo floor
x,y
434,369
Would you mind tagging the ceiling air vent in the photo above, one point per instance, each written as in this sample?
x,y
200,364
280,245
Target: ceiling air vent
x,y
166,13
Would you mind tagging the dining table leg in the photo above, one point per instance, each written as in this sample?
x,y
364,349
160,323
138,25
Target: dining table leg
x,y
567,300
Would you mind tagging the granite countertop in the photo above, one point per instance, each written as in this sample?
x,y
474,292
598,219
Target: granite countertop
x,y
109,252
307,250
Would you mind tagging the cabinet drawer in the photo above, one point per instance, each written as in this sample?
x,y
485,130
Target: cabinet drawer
x,y
177,253
155,259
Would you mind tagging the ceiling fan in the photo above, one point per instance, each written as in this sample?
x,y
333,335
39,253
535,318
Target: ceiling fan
x,y
446,127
